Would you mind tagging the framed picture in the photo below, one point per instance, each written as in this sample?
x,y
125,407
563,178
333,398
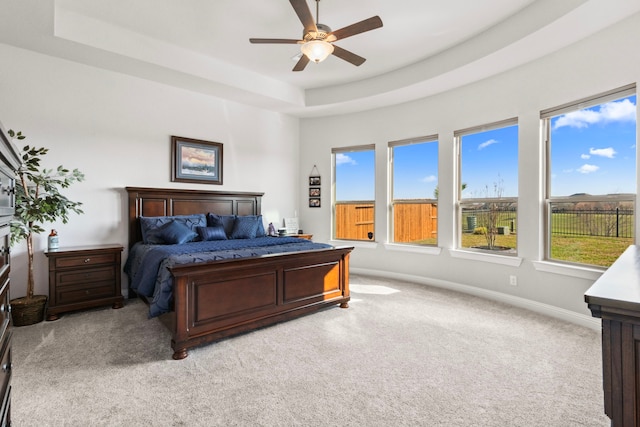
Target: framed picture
x,y
314,180
314,202
314,191
194,160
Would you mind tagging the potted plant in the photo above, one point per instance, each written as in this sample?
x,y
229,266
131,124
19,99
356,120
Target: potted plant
x,y
37,201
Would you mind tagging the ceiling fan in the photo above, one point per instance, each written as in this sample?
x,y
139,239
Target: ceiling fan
x,y
317,39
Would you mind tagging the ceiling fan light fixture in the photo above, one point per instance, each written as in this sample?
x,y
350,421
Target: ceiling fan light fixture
x,y
317,50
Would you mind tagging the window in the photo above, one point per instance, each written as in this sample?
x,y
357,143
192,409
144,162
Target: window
x,y
354,193
591,178
488,195
414,191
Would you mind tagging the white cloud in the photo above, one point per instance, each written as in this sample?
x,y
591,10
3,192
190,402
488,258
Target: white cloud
x,y
487,143
585,156
604,152
430,178
619,111
587,168
616,111
343,159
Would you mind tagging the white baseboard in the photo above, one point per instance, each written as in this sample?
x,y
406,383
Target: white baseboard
x,y
549,310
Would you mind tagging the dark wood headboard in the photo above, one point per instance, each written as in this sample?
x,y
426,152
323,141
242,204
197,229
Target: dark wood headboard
x,y
167,202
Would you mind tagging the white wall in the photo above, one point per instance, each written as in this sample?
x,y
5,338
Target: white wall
x,y
608,60
116,129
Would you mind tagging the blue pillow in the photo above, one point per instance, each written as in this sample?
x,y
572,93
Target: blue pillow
x,y
260,232
212,233
245,227
226,221
176,233
150,225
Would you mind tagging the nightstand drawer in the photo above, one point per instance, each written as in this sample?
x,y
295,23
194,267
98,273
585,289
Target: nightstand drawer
x,y
85,261
85,276
84,292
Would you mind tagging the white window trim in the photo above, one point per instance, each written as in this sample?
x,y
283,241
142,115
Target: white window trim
x,y
486,256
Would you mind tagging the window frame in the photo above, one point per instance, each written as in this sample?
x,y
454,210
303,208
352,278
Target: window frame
x,y
460,201
548,200
350,149
428,139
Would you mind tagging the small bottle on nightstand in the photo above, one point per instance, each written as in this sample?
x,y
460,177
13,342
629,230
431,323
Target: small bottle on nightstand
x,y
53,241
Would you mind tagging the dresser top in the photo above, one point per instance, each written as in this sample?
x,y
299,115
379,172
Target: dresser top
x,y
619,286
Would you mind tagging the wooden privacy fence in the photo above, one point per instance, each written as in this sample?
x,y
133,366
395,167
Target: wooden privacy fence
x,y
413,221
354,220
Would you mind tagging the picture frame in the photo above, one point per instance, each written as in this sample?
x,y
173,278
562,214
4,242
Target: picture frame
x,y
314,202
196,161
314,180
314,191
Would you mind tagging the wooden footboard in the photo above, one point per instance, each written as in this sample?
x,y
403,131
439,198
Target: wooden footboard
x,y
222,298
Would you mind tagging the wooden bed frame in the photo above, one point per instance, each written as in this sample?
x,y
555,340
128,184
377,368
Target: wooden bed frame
x,y
218,299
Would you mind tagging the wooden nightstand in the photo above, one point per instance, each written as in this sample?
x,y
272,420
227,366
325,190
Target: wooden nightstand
x,y
300,236
84,277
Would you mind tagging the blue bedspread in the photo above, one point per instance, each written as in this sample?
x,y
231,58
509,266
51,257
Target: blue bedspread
x,y
148,265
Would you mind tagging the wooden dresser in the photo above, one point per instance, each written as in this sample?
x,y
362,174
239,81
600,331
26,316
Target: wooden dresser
x,y
9,163
615,297
83,277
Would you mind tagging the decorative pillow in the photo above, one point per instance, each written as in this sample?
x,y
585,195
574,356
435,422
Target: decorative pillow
x,y
212,233
227,221
176,233
245,227
150,225
260,232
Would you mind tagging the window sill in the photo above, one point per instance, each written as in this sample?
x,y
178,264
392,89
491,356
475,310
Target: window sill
x,y
486,257
354,243
431,250
583,272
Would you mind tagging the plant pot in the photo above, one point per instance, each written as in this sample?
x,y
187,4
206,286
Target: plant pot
x,y
28,311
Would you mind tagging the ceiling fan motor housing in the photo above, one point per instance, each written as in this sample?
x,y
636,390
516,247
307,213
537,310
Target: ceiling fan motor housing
x,y
323,31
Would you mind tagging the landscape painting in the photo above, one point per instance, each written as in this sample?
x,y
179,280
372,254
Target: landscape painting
x,y
195,160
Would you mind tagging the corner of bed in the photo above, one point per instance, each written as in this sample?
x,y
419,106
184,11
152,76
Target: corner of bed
x,y
216,299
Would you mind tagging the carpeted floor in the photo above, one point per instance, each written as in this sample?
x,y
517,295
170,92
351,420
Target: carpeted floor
x,y
403,354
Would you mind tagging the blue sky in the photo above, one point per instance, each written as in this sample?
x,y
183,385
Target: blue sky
x,y
592,151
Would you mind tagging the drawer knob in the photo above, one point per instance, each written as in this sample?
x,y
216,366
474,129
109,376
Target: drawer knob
x,y
3,308
6,367
87,260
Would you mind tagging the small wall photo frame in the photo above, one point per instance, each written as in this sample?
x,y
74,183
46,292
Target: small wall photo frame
x,y
195,160
314,202
314,180
314,191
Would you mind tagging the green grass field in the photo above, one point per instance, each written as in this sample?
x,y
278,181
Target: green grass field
x,y
598,251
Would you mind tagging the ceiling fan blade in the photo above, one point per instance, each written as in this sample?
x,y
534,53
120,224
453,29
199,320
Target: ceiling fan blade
x,y
357,28
304,60
280,41
302,10
348,56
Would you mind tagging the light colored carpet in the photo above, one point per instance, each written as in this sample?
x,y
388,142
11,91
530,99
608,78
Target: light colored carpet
x,y
403,354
